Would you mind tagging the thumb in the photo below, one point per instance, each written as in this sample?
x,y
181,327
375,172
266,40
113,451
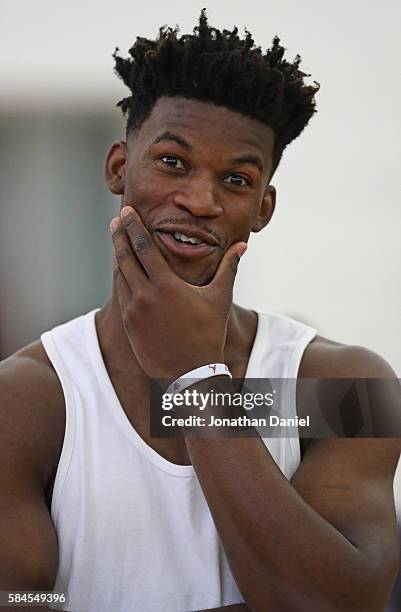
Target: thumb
x,y
227,270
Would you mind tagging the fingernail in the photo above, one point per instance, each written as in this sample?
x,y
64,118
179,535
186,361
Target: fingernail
x,y
126,210
242,250
114,224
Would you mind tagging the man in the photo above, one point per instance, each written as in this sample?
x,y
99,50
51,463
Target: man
x,y
95,507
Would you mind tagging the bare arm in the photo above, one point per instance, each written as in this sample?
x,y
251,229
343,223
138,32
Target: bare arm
x,y
326,541
28,543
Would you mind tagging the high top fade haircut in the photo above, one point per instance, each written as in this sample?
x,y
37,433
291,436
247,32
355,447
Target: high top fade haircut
x,y
223,69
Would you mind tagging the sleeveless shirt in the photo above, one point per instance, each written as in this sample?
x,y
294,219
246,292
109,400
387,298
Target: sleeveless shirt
x,y
134,530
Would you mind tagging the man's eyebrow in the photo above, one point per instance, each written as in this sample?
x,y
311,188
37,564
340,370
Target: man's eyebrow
x,y
254,160
178,139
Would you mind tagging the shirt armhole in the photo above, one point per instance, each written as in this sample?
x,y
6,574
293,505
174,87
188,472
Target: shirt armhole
x,y
69,433
291,409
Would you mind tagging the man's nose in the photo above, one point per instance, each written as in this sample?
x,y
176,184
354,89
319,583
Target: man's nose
x,y
200,197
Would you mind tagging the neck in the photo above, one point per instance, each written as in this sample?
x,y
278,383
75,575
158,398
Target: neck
x,y
117,350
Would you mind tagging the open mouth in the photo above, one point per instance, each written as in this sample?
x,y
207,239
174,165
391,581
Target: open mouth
x,y
190,241
184,245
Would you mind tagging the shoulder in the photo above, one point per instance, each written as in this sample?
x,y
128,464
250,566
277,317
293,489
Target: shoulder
x,y
32,414
28,378
325,358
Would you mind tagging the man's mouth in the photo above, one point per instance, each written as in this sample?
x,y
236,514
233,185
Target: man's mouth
x,y
184,245
190,240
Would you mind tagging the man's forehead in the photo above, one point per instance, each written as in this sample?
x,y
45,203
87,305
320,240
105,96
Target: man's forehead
x,y
198,121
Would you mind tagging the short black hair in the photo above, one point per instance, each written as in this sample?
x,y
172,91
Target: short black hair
x,y
221,68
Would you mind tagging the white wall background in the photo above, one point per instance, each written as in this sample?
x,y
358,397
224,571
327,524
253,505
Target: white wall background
x,y
331,255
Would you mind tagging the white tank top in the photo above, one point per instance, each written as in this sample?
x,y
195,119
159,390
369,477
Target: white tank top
x,y
134,530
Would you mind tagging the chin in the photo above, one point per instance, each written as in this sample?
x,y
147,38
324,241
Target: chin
x,y
198,278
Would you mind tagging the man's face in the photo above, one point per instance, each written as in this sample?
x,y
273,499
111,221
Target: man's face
x,y
195,171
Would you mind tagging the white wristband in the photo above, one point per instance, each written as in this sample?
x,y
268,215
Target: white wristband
x,y
206,371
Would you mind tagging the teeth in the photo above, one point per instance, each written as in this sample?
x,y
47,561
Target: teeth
x,y
184,238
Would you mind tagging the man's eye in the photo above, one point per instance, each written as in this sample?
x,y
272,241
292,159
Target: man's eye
x,y
171,160
237,179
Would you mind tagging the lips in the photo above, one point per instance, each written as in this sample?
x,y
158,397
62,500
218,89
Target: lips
x,y
184,249
188,230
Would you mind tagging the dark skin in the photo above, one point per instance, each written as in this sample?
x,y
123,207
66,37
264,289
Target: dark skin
x,y
341,495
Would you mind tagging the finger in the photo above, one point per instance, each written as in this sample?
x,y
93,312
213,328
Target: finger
x,y
127,261
227,270
123,288
143,245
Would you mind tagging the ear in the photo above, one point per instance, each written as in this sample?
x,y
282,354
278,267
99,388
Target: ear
x,y
266,209
114,167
